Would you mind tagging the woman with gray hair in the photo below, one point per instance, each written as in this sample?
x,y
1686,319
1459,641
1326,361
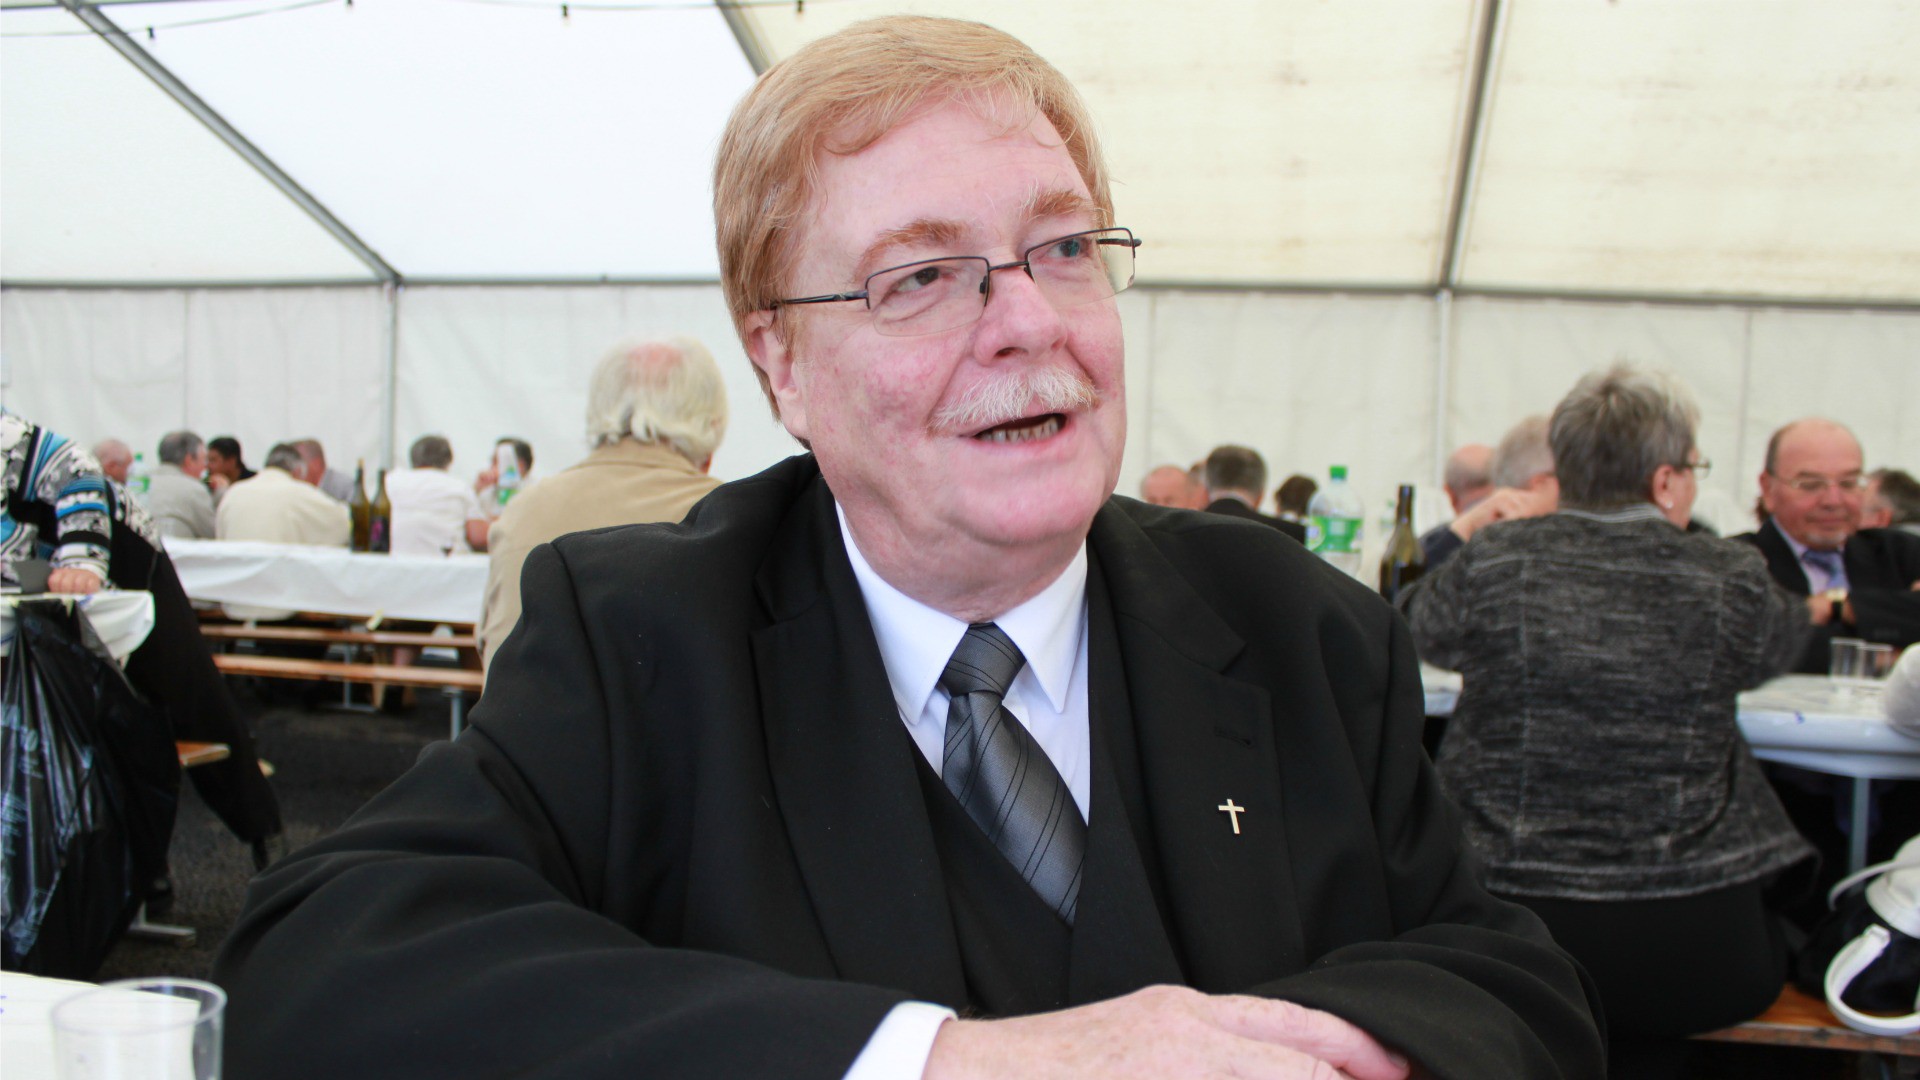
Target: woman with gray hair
x,y
1594,750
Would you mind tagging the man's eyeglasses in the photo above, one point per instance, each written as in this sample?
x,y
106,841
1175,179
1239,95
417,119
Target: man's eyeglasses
x,y
936,295
1817,485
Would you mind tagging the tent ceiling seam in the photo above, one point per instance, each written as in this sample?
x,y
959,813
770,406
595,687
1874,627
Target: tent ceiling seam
x,y
1466,172
746,35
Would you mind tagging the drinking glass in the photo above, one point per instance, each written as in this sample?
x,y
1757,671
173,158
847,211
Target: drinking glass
x,y
1858,668
140,1029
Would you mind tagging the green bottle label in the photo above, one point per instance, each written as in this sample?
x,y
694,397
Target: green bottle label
x,y
1339,535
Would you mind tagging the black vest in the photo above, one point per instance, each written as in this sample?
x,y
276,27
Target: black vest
x,y
1017,955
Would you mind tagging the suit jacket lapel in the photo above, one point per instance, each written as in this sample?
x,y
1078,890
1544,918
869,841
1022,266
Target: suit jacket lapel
x,y
841,769
1205,741
1120,939
1780,559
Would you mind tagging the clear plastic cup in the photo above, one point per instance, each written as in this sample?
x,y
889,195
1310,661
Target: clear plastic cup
x,y
140,1029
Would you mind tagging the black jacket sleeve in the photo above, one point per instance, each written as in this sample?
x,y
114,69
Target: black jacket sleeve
x,y
454,926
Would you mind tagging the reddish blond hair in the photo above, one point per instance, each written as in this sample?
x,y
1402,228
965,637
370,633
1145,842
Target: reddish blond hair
x,y
845,92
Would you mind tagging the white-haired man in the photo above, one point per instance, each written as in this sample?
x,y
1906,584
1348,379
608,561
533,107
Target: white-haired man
x,y
115,458
926,720
177,495
656,412
1523,486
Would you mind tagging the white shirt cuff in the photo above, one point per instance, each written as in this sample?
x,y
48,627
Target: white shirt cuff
x,y
901,1044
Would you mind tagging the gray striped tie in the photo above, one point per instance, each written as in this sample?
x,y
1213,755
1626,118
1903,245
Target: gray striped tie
x,y
1002,777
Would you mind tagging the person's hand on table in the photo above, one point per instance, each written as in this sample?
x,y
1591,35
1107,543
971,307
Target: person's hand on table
x,y
1165,1031
1505,504
73,579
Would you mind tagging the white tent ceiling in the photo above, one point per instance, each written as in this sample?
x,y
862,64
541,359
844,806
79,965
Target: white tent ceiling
x,y
1683,148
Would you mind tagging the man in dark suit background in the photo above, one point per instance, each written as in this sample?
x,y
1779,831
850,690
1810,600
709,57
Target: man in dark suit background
x,y
1236,477
1859,582
922,723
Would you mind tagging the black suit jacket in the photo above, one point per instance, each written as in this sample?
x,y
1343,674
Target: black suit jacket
x,y
1236,508
1882,565
684,836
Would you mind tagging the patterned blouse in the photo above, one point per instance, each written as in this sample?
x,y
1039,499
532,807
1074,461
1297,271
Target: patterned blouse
x,y
1595,750
42,471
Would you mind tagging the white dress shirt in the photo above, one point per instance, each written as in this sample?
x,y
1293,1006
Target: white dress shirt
x,y
431,508
1048,696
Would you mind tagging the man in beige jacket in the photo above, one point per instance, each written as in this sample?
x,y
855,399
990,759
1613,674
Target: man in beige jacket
x,y
655,413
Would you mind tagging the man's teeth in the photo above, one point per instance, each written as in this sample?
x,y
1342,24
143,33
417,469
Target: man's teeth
x,y
1024,432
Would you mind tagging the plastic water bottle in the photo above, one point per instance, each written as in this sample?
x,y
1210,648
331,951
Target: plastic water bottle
x,y
507,467
1335,522
138,478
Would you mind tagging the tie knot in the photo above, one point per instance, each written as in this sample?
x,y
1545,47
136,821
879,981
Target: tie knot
x,y
985,660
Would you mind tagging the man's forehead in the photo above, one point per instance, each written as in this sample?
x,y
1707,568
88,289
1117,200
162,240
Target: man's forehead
x,y
1817,449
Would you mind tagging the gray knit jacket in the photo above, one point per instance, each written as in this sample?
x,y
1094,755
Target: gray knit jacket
x,y
1595,751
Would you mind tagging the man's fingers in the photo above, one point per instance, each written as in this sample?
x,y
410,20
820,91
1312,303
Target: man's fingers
x,y
1311,1032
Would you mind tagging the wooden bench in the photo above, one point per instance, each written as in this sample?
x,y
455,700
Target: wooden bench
x,y
321,636
1797,1019
201,753
455,681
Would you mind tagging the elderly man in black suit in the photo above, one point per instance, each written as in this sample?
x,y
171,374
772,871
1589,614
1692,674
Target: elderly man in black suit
x,y
924,724
1236,475
1860,582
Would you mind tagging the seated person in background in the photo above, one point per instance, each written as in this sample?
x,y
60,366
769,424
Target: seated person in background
x,y
332,482
1236,479
1172,486
56,504
276,505
280,507
1594,750
1467,480
176,496
224,467
433,512
925,720
1812,488
1892,501
115,459
656,412
1524,486
1293,496
486,485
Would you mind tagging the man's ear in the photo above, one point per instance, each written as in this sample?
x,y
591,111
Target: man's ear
x,y
770,347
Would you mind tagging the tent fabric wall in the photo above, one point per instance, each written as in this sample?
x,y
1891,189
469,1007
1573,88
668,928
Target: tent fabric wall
x,y
1309,380
259,364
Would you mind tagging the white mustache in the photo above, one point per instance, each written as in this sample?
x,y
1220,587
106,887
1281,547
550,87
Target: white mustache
x,y
1024,393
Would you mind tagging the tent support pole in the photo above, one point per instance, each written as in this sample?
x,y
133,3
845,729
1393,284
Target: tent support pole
x,y
1442,375
390,383
111,33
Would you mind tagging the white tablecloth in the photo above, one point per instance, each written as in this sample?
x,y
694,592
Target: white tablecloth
x,y
434,588
122,618
1803,720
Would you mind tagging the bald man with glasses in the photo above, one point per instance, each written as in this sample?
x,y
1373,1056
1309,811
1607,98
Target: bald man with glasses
x,y
1860,582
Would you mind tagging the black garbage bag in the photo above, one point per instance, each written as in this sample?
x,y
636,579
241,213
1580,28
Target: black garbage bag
x,y
92,783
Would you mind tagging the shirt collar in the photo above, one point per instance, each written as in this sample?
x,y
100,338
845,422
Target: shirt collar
x,y
916,641
1799,549
1629,512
